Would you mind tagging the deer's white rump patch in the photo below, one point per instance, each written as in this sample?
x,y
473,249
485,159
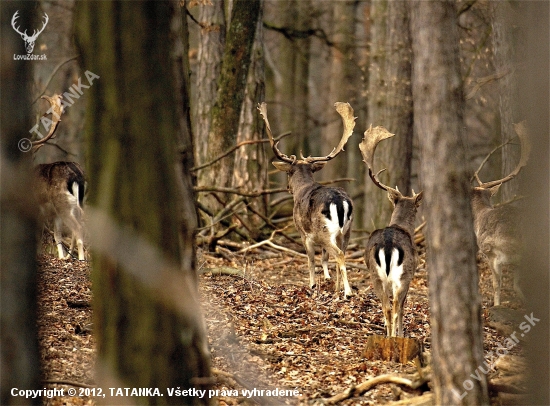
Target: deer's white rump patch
x,y
392,279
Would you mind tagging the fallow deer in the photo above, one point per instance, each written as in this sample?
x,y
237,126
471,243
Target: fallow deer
x,y
390,253
322,215
497,229
59,189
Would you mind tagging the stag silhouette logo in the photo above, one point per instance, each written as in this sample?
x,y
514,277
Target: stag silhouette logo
x,y
29,40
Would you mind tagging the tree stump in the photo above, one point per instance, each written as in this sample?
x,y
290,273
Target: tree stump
x,y
396,349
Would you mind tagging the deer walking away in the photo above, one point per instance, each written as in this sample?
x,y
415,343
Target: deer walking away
x,y
59,189
322,215
497,229
390,253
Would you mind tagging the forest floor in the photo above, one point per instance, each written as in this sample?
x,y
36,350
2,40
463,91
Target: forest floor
x,y
267,330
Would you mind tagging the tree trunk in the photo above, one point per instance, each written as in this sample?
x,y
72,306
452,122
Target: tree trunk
x,y
534,99
390,106
377,206
146,337
210,53
19,356
231,87
505,34
455,303
250,161
341,86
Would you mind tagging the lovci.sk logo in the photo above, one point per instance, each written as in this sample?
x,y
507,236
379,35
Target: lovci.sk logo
x,y
29,40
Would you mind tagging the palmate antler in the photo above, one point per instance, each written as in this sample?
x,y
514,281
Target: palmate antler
x,y
523,135
56,110
348,120
345,111
371,139
263,111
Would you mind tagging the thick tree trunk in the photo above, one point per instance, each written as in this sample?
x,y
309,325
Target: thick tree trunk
x,y
534,99
455,302
145,337
19,357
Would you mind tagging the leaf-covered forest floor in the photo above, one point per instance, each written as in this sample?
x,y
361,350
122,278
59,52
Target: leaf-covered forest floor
x,y
266,329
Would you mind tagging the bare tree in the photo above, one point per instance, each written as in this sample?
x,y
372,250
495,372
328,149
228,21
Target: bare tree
x,y
147,322
390,103
455,302
505,42
231,88
210,54
19,337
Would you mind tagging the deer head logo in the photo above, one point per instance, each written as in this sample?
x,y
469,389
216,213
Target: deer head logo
x,y
29,41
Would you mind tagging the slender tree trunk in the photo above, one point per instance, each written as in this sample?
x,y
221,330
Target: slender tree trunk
x,y
250,161
210,53
231,88
341,86
455,303
376,203
390,105
505,38
19,356
148,334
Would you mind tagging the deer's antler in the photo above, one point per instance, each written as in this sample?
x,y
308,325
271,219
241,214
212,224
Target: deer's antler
x,y
371,139
262,107
348,120
56,110
523,135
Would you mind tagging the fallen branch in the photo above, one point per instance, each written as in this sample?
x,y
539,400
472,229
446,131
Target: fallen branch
x,y
222,270
371,383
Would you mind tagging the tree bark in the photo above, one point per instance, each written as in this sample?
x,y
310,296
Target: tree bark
x,y
145,337
455,303
19,355
250,161
231,87
210,54
505,40
390,105
534,99
341,86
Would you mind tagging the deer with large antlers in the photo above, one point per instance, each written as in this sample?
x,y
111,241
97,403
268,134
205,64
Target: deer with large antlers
x,y
390,253
497,229
59,189
322,215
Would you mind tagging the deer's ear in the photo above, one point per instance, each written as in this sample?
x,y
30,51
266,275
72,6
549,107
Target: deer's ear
x,y
282,166
419,198
317,166
494,189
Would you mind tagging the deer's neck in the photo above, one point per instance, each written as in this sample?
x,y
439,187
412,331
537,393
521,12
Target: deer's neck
x,y
481,205
302,182
403,218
